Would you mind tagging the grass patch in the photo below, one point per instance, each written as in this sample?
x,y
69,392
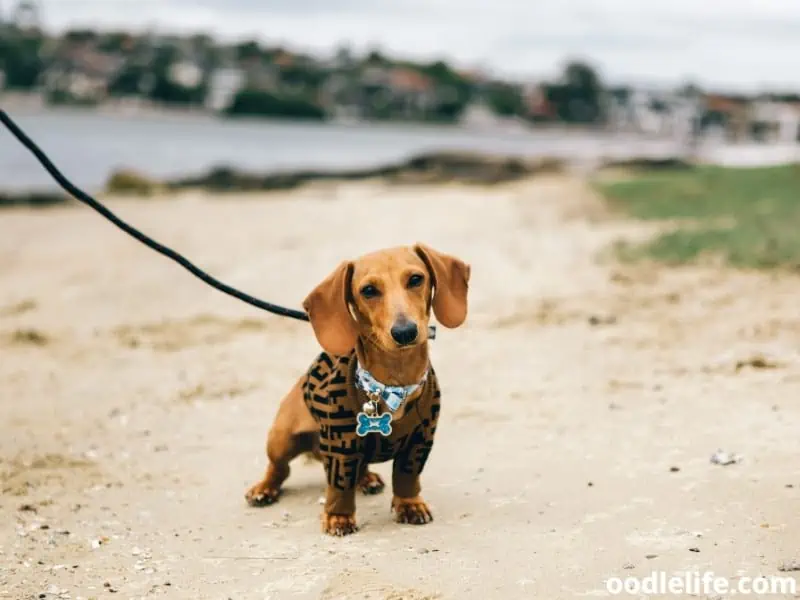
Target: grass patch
x,y
747,217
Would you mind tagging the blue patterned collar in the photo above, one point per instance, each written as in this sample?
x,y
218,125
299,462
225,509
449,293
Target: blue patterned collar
x,y
392,395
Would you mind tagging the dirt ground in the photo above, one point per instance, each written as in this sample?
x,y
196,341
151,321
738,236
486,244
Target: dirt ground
x,y
581,404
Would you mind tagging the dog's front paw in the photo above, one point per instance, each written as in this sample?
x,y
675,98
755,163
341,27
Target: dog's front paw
x,y
371,483
262,495
339,525
411,510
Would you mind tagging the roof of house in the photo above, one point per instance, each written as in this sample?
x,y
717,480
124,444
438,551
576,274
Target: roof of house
x,y
409,80
723,104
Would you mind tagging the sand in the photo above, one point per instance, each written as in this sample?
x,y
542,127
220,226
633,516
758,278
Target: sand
x,y
581,404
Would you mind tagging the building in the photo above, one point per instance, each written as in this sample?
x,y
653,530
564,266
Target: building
x,y
82,75
775,122
223,85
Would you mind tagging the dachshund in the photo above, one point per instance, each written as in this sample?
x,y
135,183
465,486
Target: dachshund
x,y
371,395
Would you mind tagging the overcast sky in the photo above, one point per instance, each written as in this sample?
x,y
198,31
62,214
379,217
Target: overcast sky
x,y
744,44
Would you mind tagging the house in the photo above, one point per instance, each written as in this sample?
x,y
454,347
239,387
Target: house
x,y
539,106
342,98
284,59
259,75
651,111
223,85
186,73
775,121
411,90
725,116
478,114
81,74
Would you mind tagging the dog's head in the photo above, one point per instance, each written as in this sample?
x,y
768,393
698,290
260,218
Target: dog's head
x,y
386,298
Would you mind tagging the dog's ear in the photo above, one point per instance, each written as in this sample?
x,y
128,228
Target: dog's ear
x,y
450,279
328,308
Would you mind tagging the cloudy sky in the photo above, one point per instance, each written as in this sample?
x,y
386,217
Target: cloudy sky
x,y
734,44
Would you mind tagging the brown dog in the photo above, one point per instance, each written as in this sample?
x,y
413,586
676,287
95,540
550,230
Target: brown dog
x,y
371,318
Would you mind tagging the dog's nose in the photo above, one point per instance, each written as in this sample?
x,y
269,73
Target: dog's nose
x,y
404,332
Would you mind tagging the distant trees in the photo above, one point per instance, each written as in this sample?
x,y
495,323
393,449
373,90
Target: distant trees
x,y
266,104
21,57
578,97
505,99
280,83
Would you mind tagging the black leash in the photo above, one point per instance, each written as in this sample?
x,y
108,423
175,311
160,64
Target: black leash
x,y
82,196
79,194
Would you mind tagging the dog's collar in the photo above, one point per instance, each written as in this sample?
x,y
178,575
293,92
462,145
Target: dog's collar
x,y
392,395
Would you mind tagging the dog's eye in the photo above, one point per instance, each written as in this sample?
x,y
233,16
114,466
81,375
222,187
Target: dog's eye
x,y
370,291
415,280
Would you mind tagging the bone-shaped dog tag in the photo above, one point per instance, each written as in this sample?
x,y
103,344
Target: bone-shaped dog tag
x,y
374,424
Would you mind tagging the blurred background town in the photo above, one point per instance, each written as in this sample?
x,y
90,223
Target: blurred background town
x,y
147,72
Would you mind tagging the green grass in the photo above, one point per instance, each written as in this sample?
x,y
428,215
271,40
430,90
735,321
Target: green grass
x,y
748,217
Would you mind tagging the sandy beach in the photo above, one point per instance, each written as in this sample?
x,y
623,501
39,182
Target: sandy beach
x,y
134,403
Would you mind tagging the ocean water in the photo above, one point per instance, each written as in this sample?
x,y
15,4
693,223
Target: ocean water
x,y
88,146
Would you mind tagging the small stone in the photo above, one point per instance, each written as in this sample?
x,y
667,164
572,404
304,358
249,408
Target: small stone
x,y
694,549
789,565
628,566
723,458
650,556
674,469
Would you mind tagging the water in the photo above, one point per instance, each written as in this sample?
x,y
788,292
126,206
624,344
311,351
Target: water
x,y
88,146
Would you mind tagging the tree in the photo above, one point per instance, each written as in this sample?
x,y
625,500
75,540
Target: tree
x,y
248,50
265,104
505,99
583,94
20,58
376,58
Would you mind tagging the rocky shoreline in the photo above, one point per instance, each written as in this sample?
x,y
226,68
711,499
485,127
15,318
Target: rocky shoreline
x,y
430,169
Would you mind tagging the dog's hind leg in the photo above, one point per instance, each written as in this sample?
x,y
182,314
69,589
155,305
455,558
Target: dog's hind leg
x,y
370,483
294,432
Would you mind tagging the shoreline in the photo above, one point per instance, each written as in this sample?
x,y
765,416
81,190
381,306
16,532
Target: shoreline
x,y
438,168
431,169
245,154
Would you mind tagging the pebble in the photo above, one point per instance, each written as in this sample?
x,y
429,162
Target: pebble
x,y
789,565
720,457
